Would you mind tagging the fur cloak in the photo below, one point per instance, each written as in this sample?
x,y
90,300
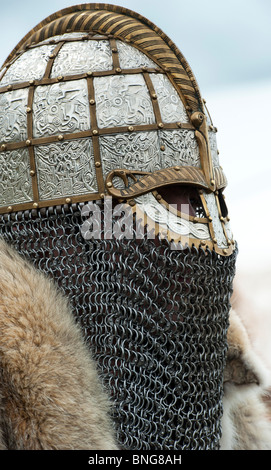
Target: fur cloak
x,y
50,394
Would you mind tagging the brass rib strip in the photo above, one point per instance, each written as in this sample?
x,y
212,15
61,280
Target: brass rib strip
x,y
95,138
52,59
115,54
154,98
33,172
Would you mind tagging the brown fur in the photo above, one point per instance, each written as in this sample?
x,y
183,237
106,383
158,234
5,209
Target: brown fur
x,y
50,395
245,423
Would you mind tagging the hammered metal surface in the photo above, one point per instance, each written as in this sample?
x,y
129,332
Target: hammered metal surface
x,y
65,168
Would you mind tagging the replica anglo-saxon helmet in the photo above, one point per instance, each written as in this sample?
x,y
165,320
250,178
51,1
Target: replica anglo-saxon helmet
x,y
97,105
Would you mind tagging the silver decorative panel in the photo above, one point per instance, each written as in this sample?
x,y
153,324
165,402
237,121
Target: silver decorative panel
x,y
65,168
31,65
171,105
122,101
81,57
61,108
135,151
213,210
15,179
180,148
13,117
159,214
132,58
213,147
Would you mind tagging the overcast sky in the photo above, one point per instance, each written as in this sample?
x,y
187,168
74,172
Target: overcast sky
x,y
225,41
227,44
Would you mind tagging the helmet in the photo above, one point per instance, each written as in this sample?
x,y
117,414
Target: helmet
x,y
99,107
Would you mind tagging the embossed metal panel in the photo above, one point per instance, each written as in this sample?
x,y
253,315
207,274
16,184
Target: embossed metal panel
x,y
82,56
65,168
123,101
61,108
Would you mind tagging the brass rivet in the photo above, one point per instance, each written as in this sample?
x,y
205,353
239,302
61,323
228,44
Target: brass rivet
x,y
210,219
144,68
102,195
161,125
130,128
60,77
9,209
154,96
3,147
97,164
60,137
179,124
202,243
31,82
114,49
68,200
89,74
28,142
118,70
94,132
109,185
92,102
225,251
51,56
162,148
228,219
35,205
188,108
32,173
132,202
177,168
212,182
28,109
222,219
215,240
9,87
158,197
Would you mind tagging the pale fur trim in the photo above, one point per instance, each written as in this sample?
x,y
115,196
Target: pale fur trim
x,y
245,423
50,393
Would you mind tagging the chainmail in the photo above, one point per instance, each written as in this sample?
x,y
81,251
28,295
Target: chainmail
x,y
155,319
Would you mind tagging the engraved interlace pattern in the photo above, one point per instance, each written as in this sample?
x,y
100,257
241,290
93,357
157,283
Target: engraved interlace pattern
x,y
30,65
65,168
171,106
180,148
132,58
15,181
122,101
13,122
82,56
61,108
